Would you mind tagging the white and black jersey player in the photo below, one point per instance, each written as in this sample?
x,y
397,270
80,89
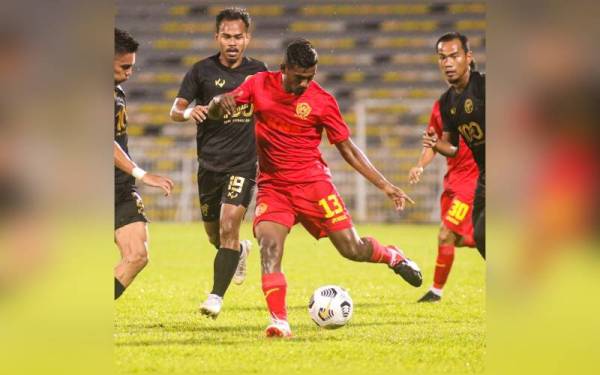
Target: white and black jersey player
x,y
226,148
462,108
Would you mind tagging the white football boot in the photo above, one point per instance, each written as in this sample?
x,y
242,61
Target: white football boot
x,y
212,306
278,328
240,272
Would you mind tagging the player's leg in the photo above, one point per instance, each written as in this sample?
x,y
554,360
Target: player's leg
x,y
236,199
443,264
210,187
367,249
323,213
227,258
130,236
479,218
271,239
479,225
212,232
131,239
211,307
234,195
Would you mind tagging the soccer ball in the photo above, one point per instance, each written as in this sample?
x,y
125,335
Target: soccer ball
x,y
330,306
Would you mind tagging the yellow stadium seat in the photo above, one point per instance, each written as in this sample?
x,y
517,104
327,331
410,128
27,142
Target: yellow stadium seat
x,y
409,25
187,27
179,10
467,8
172,44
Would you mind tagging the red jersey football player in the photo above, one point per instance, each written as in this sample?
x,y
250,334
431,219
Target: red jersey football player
x,y
294,183
456,204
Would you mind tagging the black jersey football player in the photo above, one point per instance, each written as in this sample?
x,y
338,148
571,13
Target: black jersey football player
x,y
462,108
226,149
130,219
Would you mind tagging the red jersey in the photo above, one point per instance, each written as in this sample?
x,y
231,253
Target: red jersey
x,y
462,169
289,128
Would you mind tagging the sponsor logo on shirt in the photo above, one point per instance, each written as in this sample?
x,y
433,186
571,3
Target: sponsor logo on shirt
x,y
303,110
468,106
220,82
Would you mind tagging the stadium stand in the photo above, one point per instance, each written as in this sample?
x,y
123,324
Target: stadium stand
x,y
377,59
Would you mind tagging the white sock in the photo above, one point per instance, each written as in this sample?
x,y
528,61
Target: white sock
x,y
436,291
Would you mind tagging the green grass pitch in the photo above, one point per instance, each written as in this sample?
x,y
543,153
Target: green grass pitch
x,y
158,329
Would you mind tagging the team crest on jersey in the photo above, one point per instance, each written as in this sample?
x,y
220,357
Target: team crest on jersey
x,y
220,82
260,209
303,110
204,209
468,106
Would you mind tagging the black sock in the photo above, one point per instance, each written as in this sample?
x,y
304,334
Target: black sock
x,y
119,288
226,262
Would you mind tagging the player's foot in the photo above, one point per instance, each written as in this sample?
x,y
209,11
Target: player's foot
x,y
279,328
430,296
408,270
212,306
240,272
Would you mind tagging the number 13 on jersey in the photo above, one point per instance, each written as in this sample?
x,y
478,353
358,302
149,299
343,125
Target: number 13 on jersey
x,y
331,205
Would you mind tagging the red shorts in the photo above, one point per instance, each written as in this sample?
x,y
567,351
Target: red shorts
x,y
456,211
316,205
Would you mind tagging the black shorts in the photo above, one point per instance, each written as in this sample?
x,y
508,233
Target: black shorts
x,y
129,207
216,188
479,200
479,216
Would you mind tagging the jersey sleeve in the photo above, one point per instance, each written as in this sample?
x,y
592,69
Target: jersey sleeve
x,y
435,120
190,85
336,128
244,93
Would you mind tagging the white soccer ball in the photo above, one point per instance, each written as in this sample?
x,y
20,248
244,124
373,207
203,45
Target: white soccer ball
x,y
330,306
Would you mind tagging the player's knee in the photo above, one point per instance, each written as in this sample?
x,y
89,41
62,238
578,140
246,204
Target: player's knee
x,y
138,259
351,250
213,238
269,247
446,237
229,231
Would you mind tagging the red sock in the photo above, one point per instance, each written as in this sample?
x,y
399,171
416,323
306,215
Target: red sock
x,y
390,255
274,287
468,240
443,265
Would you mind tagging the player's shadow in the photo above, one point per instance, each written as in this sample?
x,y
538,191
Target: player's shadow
x,y
262,308
192,342
188,327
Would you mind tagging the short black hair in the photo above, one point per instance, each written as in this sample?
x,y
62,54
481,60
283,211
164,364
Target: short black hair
x,y
124,42
464,43
300,52
232,14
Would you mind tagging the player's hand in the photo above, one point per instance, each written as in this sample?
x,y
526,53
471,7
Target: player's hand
x,y
158,181
227,102
398,196
429,139
200,113
414,175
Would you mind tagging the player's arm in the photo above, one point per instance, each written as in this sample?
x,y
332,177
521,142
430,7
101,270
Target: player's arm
x,y
359,161
224,104
124,163
180,111
190,88
447,145
427,155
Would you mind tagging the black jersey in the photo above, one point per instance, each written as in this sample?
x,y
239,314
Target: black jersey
x,y
464,114
226,145
121,134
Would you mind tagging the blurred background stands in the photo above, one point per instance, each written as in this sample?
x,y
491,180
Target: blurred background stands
x,y
378,60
